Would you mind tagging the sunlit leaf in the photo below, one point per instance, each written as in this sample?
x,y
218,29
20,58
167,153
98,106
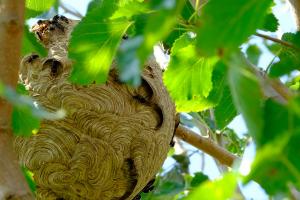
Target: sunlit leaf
x,y
294,84
39,5
29,178
130,9
94,43
227,24
221,189
188,77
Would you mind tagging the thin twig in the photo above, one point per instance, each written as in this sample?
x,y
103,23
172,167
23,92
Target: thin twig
x,y
12,182
281,89
272,61
284,43
206,145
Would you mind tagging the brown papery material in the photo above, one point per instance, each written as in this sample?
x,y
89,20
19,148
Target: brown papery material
x,y
114,138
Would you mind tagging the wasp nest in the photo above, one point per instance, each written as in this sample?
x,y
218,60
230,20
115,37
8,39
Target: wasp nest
x,y
114,138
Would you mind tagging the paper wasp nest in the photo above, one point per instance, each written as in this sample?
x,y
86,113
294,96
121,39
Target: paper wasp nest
x,y
114,138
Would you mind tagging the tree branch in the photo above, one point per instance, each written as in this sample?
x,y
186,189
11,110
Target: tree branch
x,y
206,145
284,43
296,7
12,182
272,89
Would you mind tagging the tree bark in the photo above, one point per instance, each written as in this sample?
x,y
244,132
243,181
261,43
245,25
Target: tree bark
x,y
296,6
12,182
206,145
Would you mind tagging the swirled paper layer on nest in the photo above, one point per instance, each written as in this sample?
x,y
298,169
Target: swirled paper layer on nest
x,y
114,138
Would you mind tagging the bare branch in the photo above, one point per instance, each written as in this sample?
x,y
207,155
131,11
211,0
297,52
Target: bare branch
x,y
12,182
206,145
284,43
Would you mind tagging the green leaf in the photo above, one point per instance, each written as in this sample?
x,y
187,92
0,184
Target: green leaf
x,y
128,64
39,5
21,89
271,23
30,44
130,9
125,2
173,36
198,179
29,178
183,162
219,77
94,4
225,110
56,5
167,11
94,43
32,13
171,183
288,62
253,54
26,115
234,144
179,30
163,11
276,121
276,167
289,57
227,24
274,48
247,94
187,11
188,77
221,189
167,186
23,122
294,84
